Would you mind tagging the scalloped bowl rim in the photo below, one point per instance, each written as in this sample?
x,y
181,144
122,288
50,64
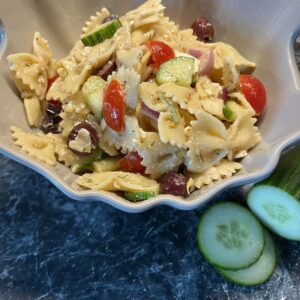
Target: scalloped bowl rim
x,y
164,199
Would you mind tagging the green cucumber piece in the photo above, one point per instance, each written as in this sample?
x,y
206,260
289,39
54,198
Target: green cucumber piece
x,y
139,196
277,209
93,95
230,237
172,109
231,110
276,200
196,64
102,33
179,70
109,164
85,164
260,271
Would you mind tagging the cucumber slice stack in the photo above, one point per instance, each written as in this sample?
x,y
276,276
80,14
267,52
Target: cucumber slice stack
x,y
259,271
102,33
234,242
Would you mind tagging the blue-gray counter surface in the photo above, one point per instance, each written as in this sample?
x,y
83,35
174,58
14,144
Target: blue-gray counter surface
x,y
52,247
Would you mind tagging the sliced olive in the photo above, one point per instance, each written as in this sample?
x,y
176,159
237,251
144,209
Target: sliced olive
x,y
83,139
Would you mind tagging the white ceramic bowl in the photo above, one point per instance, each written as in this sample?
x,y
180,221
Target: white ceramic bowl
x,y
263,31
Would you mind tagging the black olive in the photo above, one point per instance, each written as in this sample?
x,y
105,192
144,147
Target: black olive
x,y
51,120
92,135
203,29
174,184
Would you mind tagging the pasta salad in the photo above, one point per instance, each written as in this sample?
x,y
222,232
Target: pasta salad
x,y
140,107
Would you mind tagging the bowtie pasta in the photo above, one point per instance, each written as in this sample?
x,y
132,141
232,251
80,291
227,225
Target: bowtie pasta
x,y
139,106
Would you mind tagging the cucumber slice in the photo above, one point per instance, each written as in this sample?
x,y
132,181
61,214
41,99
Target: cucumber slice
x,y
93,95
85,163
259,272
179,70
232,110
139,196
102,33
230,237
277,209
109,164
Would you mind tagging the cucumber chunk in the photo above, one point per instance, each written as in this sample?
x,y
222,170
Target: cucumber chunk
x,y
139,196
86,163
109,164
102,33
179,70
172,109
260,271
93,95
230,237
277,209
232,110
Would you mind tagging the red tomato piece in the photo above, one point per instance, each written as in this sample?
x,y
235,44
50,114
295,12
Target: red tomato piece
x,y
254,91
132,162
50,81
160,53
114,106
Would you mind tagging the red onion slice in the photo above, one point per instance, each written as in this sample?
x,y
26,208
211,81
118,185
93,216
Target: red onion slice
x,y
195,53
206,62
107,69
150,113
224,94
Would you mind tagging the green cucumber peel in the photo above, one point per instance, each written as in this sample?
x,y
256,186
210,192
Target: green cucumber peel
x,y
260,271
230,236
276,200
139,196
102,33
228,114
85,164
175,116
231,110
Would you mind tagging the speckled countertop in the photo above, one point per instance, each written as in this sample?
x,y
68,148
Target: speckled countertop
x,y
52,247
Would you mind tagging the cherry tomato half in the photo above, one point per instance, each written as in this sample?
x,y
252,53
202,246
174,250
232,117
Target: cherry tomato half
x,y
50,81
114,106
132,163
254,91
160,53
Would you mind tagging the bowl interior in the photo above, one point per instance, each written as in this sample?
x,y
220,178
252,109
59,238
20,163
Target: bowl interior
x,y
264,35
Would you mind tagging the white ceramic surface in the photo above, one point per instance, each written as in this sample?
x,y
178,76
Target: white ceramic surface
x,y
262,30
